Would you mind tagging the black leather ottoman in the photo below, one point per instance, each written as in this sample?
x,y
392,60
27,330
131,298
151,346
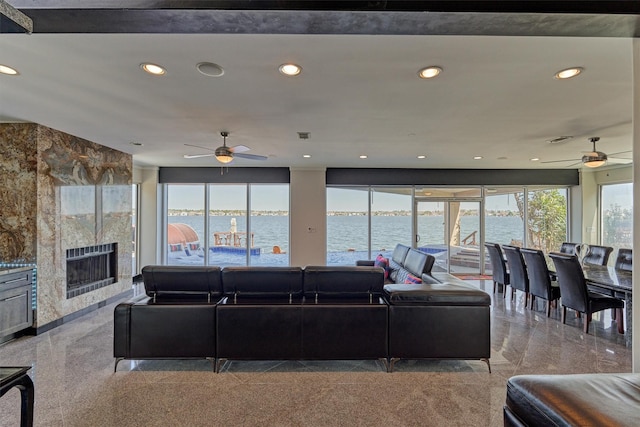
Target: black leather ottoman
x,y
573,400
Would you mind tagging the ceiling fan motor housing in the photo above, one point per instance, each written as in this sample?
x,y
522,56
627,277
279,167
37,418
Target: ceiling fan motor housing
x,y
594,156
224,154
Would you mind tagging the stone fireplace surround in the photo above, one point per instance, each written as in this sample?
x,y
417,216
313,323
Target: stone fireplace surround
x,y
60,192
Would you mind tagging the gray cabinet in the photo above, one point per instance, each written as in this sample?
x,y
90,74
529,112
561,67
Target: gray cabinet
x,y
16,312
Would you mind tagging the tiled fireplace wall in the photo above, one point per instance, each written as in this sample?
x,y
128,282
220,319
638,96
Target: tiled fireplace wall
x,y
59,192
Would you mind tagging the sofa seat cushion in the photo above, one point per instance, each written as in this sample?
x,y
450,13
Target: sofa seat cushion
x,y
448,294
576,399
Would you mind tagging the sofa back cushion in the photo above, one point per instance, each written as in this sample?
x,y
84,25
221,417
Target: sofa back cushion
x,y
418,263
263,282
400,253
342,282
179,282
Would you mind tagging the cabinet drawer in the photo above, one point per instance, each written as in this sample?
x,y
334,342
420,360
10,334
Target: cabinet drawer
x,y
15,310
13,280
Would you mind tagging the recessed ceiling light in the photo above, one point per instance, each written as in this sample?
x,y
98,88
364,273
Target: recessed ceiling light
x,y
429,72
306,156
422,157
535,159
290,69
8,70
154,69
567,73
477,158
363,157
210,69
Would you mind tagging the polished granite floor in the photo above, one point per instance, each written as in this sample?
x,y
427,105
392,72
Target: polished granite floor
x,y
72,368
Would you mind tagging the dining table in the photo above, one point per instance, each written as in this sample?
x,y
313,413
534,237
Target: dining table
x,y
616,282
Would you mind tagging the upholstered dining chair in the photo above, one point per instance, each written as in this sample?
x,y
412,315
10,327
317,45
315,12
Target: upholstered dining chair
x,y
569,248
498,266
576,295
518,278
540,283
597,255
624,260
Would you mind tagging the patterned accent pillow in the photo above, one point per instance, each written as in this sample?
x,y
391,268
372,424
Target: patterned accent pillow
x,y
412,279
383,262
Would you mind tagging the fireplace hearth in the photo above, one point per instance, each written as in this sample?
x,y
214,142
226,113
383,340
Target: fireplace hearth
x,y
91,268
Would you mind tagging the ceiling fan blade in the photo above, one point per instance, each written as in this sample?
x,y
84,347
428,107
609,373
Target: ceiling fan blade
x,y
250,156
198,146
239,148
196,156
560,161
620,160
620,152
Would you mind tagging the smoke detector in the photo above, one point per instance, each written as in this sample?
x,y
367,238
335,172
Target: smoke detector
x,y
303,135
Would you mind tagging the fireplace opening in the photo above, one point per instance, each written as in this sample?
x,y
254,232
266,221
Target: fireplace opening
x,y
91,268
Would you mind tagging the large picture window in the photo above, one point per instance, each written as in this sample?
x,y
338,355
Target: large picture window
x,y
185,224
245,224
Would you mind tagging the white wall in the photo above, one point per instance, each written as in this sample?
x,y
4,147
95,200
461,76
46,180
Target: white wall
x,y
148,216
308,217
589,208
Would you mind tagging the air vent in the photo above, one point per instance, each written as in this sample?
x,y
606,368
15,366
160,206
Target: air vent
x,y
303,135
559,140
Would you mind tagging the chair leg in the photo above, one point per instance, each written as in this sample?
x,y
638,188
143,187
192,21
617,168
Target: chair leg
x,y
620,320
533,298
548,308
494,286
564,314
613,313
513,291
586,320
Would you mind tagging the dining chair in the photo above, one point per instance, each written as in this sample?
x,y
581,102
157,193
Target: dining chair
x,y
540,283
569,248
597,255
576,295
624,260
518,278
498,266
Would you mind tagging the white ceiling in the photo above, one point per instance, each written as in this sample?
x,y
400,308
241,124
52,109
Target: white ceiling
x,y
357,95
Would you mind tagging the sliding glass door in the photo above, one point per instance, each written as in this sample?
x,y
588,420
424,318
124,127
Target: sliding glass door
x,y
448,226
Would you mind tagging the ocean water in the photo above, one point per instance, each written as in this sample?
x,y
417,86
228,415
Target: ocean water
x,y
346,235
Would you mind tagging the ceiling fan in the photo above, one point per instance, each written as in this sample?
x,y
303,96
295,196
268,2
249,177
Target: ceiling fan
x,y
595,158
225,154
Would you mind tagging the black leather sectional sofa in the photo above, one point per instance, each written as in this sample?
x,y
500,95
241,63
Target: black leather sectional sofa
x,y
292,313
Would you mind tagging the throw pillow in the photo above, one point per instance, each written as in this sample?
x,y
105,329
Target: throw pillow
x,y
412,279
383,262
